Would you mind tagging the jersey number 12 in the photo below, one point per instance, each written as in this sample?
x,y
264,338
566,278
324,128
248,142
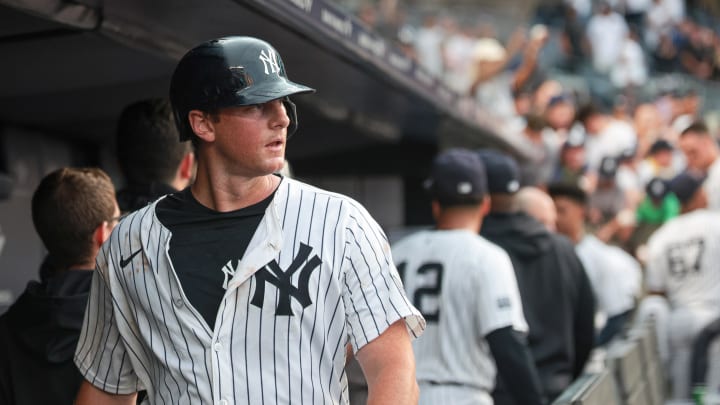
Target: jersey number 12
x,y
429,292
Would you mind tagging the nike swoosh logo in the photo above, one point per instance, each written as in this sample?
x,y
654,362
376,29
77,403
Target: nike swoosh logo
x,y
125,262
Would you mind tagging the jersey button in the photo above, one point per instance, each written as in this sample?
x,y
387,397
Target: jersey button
x,y
179,302
217,346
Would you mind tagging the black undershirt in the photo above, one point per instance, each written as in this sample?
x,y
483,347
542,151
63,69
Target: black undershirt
x,y
203,242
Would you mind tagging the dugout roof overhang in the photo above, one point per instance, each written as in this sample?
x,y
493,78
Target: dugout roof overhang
x,y
70,67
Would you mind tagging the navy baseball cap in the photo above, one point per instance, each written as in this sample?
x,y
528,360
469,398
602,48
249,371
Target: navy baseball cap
x,y
608,167
659,146
657,188
686,184
457,177
503,173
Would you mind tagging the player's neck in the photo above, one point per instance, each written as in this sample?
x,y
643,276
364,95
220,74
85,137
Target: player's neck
x,y
459,222
226,193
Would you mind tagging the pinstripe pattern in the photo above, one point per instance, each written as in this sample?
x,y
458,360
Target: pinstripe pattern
x,y
141,332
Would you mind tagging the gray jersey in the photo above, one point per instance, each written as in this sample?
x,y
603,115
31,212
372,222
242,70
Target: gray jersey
x,y
465,287
316,275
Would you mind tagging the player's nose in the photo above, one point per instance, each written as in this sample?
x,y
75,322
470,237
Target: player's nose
x,y
279,114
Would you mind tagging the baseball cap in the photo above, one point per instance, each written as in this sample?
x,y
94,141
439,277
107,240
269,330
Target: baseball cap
x,y
575,139
608,167
489,49
503,174
659,146
657,188
457,177
686,184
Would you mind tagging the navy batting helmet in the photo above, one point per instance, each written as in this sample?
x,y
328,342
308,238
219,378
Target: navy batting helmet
x,y
227,72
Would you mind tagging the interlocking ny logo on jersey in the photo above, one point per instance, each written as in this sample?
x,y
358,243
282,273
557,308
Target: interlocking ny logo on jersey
x,y
282,280
269,60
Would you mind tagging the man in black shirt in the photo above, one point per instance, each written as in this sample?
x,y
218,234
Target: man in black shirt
x,y
557,298
74,211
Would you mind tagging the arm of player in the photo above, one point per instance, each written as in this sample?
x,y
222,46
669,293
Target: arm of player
x,y
584,328
389,366
91,395
515,364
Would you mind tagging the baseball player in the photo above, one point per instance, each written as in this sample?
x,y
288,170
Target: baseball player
x,y
614,274
682,266
246,287
465,288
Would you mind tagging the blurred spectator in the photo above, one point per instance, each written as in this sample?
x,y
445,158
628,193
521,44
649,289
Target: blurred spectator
x,y
648,126
659,204
545,92
701,153
660,162
659,22
538,170
686,109
697,57
606,31
635,11
629,69
608,199
459,55
657,207
606,136
676,9
493,84
573,41
572,167
560,114
428,45
665,55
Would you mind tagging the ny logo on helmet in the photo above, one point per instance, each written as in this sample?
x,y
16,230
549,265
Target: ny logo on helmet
x,y
269,60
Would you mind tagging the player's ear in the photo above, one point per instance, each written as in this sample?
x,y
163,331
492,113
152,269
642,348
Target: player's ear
x,y
485,205
202,124
436,209
102,232
187,166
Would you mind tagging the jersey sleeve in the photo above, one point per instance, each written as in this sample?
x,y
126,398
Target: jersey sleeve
x,y
101,356
499,303
374,296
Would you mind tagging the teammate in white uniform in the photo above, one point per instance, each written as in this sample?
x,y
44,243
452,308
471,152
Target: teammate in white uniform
x,y
466,289
614,274
683,257
702,154
246,287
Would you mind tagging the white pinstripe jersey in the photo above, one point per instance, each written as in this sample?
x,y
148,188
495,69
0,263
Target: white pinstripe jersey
x,y
684,260
323,259
465,287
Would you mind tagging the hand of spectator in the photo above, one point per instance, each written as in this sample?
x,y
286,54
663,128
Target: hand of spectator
x,y
517,41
